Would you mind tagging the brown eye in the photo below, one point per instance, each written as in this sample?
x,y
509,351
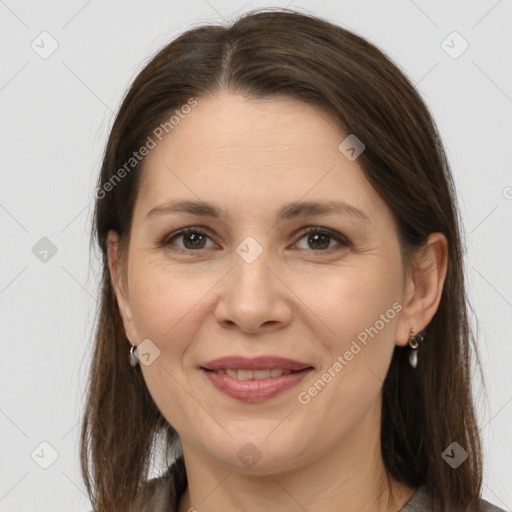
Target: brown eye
x,y
192,239
317,239
321,239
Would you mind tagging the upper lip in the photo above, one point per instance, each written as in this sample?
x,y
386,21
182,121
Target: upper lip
x,y
254,363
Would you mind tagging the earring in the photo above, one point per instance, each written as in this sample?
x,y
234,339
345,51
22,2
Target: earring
x,y
414,343
134,359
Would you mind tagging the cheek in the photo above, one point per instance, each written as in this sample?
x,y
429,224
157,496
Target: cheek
x,y
158,301
361,308
164,310
352,301
167,303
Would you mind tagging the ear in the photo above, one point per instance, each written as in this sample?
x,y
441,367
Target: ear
x,y
120,285
423,287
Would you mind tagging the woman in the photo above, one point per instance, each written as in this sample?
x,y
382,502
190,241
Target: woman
x,y
283,315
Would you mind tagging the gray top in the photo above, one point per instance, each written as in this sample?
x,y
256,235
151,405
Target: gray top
x,y
420,502
160,491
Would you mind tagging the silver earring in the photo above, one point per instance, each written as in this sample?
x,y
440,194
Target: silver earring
x,y
134,360
414,343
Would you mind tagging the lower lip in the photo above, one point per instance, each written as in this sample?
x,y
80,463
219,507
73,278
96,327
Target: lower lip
x,y
254,390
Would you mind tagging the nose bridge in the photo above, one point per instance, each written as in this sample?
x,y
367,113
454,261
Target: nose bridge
x,y
253,296
251,262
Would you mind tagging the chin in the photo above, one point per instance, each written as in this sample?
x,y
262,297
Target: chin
x,y
256,452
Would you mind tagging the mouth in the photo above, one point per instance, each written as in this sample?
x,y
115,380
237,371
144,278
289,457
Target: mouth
x,y
254,380
255,364
241,374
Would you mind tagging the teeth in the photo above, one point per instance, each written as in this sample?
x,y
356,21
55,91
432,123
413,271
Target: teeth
x,y
253,374
261,374
245,374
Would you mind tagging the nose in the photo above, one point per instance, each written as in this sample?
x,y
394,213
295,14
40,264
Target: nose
x,y
253,296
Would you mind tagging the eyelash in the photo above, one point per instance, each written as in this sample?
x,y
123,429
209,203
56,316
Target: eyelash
x,y
166,241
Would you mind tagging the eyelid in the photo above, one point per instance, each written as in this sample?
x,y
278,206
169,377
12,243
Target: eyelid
x,y
184,231
341,239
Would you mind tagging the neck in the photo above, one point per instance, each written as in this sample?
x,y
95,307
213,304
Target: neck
x,y
351,478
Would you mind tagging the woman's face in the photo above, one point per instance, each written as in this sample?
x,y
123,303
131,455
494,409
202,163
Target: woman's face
x,y
251,282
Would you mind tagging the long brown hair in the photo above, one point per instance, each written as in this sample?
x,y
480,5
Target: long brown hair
x,y
268,53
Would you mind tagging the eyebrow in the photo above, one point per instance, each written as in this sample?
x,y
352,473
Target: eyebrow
x,y
287,212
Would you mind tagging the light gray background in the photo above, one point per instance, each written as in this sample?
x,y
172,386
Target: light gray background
x,y
56,113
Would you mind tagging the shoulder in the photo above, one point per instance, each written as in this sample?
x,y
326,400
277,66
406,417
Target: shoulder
x,y
485,506
420,502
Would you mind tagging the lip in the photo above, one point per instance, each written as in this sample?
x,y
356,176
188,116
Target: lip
x,y
255,363
254,390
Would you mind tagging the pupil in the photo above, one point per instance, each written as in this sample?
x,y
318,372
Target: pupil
x,y
195,239
318,236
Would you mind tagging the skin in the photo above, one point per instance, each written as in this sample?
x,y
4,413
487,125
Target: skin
x,y
298,299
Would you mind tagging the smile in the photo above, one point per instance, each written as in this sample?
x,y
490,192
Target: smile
x,y
253,386
253,374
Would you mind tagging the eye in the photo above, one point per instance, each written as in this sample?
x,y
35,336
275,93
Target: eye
x,y
192,237
320,239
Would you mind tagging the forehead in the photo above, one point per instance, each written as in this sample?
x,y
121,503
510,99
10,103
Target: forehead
x,y
240,150
232,124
